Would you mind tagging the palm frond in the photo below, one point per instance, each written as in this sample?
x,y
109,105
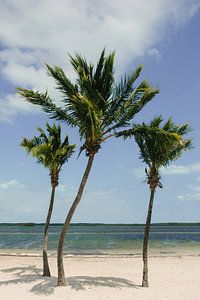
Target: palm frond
x,y
66,87
43,100
134,104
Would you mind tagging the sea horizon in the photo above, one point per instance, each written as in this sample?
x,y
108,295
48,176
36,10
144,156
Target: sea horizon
x,y
102,223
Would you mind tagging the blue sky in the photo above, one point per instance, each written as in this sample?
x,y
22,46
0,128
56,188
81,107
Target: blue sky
x,y
162,35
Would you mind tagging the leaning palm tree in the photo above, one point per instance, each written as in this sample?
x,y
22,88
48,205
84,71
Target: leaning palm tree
x,y
159,146
97,107
52,153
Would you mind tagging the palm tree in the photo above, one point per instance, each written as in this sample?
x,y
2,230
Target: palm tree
x,y
52,153
158,146
97,106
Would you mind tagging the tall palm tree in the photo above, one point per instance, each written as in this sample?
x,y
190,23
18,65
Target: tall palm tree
x,y
52,153
159,146
97,107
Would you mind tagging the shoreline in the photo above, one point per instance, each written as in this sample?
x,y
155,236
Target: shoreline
x,y
192,249
93,255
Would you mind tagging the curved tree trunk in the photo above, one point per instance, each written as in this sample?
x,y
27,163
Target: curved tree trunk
x,y
61,273
46,270
146,240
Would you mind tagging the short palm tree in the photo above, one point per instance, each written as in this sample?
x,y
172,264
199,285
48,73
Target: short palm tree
x,y
52,153
97,106
159,146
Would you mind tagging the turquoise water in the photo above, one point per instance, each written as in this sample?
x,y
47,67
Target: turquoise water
x,y
103,239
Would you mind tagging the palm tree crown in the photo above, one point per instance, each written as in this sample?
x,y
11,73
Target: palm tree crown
x,y
49,149
160,145
94,103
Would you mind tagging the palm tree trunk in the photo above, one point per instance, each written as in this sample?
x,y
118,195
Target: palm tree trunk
x,y
146,240
61,273
46,270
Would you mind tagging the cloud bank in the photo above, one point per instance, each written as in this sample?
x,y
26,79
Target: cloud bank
x,y
33,32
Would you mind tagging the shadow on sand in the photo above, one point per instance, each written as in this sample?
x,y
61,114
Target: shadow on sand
x,y
31,274
46,285
81,282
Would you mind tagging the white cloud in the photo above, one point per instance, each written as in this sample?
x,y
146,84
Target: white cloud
x,y
170,170
193,195
34,32
12,184
175,170
28,57
189,197
20,74
154,53
195,167
13,104
62,188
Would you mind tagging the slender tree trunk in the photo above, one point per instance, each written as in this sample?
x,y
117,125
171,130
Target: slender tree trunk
x,y
46,270
60,265
145,282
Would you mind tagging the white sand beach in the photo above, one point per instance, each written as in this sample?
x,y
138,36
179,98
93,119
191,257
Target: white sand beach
x,y
101,278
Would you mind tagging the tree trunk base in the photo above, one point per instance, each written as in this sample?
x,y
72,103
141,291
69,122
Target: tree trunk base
x,y
61,282
46,270
46,274
145,284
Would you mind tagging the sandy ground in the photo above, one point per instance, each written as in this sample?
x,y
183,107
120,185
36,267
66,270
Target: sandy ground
x,y
101,278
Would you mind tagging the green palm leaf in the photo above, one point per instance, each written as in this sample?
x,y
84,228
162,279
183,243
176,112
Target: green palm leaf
x,y
95,104
48,149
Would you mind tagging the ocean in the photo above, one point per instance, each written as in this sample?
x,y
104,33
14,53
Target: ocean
x,y
102,239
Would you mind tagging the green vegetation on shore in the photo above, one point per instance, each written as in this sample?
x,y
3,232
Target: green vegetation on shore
x,y
102,224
